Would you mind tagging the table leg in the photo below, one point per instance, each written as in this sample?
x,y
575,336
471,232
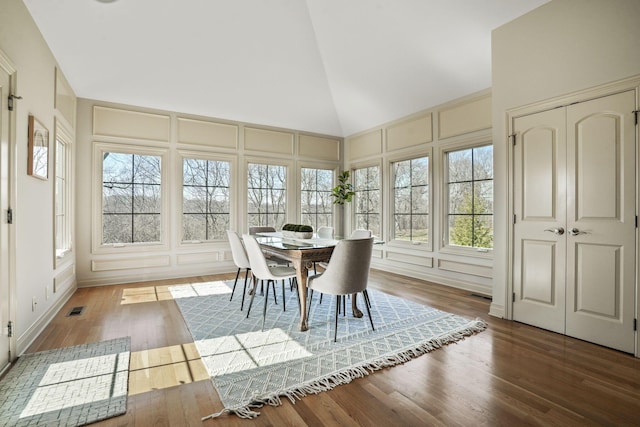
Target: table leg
x,y
301,274
354,306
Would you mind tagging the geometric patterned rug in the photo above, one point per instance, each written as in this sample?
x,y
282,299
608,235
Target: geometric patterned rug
x,y
250,367
70,386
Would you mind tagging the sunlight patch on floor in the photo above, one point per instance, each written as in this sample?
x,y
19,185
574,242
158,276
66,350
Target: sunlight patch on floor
x,y
169,292
165,367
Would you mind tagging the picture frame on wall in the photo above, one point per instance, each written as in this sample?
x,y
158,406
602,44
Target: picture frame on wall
x,y
38,149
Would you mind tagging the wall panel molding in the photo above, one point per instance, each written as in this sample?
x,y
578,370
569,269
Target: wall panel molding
x,y
268,141
115,122
206,133
130,263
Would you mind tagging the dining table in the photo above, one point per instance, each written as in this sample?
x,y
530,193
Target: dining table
x,y
302,253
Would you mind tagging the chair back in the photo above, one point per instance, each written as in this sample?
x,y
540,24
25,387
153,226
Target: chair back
x,y
259,266
325,232
360,233
256,230
238,252
348,270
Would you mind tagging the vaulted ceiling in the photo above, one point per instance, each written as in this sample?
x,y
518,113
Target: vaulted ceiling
x,y
328,66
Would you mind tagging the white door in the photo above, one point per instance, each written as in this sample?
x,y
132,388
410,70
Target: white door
x,y
4,226
540,216
574,232
601,221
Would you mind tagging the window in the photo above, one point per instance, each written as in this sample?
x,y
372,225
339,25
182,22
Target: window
x,y
470,197
367,199
411,200
131,198
316,202
266,195
205,199
62,228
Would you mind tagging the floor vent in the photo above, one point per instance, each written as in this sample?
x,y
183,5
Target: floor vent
x,y
76,311
488,298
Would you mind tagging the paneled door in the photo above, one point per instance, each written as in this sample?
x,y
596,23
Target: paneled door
x,y
4,226
575,224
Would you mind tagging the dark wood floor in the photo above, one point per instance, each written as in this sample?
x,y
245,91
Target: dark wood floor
x,y
509,375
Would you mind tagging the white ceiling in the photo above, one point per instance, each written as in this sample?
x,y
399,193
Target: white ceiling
x,y
329,66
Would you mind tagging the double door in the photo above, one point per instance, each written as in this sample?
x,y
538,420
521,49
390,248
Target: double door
x,y
574,248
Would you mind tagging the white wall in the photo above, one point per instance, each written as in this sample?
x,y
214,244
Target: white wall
x,y
22,43
562,47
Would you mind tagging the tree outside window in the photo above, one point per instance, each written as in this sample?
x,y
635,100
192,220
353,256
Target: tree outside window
x,y
470,197
266,195
316,203
367,199
205,199
411,199
131,198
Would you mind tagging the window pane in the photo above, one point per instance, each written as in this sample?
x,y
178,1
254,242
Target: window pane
x,y
316,204
266,195
411,199
461,198
470,193
460,166
131,198
367,199
205,199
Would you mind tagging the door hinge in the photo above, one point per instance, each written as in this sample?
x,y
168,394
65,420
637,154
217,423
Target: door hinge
x,y
635,113
10,101
636,221
9,216
513,138
10,329
514,218
635,324
513,297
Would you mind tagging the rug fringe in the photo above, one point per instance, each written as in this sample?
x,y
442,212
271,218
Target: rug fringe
x,y
346,376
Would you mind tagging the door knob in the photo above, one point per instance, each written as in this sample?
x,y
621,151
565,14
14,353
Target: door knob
x,y
559,231
574,232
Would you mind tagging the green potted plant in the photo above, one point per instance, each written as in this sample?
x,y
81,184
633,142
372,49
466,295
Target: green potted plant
x,y
343,192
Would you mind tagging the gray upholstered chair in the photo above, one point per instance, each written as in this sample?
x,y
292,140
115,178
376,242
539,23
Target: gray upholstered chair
x,y
241,260
256,230
261,270
347,273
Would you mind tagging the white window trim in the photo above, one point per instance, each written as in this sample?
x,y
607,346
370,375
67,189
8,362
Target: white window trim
x,y
63,135
99,148
383,212
317,165
291,185
445,248
427,247
233,196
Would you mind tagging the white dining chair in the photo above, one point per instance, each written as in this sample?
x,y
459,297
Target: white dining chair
x,y
241,260
325,232
347,273
261,270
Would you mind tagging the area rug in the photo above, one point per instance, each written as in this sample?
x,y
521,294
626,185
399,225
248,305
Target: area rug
x,y
250,367
70,386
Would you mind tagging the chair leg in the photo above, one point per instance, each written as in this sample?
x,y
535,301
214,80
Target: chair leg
x,y
308,309
368,304
244,290
284,300
273,285
235,283
266,298
253,294
335,329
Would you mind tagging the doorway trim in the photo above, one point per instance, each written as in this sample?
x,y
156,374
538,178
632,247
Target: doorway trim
x,y
7,65
631,83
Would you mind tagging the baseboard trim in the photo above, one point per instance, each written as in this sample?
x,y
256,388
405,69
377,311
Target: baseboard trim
x,y
25,340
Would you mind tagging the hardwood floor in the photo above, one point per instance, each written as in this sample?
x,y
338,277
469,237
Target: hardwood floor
x,y
509,375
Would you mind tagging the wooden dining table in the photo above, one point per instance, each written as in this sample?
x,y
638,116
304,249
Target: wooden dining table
x,y
302,253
